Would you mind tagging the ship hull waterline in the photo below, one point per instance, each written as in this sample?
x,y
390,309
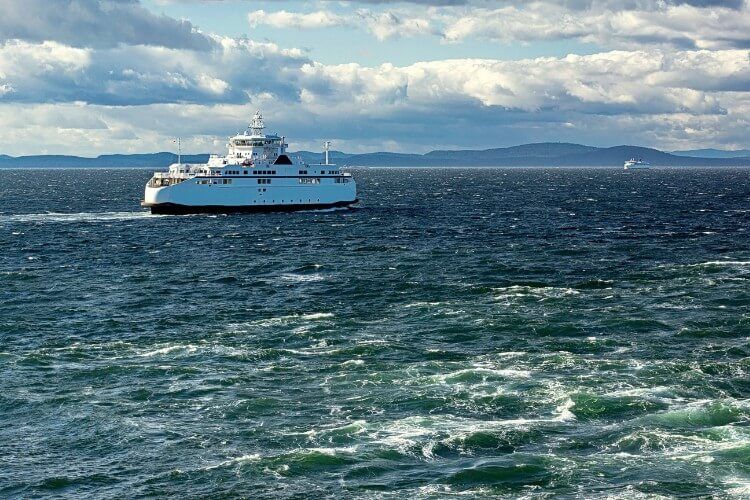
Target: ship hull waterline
x,y
178,209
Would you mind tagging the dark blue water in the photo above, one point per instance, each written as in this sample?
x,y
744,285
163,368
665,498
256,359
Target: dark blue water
x,y
573,332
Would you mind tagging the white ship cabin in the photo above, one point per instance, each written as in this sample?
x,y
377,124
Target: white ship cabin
x,y
252,154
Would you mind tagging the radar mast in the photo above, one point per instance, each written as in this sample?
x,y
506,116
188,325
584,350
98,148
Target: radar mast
x,y
256,126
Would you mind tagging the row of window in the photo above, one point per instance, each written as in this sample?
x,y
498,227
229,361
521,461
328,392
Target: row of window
x,y
301,180
309,200
255,143
214,181
273,172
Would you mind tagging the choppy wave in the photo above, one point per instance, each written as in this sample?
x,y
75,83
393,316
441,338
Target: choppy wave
x,y
74,217
721,263
540,292
458,336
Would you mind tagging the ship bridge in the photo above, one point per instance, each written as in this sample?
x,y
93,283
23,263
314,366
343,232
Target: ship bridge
x,y
254,145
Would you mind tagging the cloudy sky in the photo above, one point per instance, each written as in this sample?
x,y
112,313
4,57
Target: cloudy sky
x,y
101,76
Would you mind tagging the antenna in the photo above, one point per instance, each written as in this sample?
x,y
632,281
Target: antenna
x,y
326,147
179,150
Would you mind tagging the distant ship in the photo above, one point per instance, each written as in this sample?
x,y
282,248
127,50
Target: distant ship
x,y
255,175
633,163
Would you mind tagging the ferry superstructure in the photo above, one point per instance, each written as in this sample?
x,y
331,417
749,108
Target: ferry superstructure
x,y
633,163
255,175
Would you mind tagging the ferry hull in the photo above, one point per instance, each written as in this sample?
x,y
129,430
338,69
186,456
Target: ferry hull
x,y
177,209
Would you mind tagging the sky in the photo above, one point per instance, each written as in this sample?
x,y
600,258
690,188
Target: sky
x,y
90,77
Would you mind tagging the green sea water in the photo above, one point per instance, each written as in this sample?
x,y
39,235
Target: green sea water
x,y
579,333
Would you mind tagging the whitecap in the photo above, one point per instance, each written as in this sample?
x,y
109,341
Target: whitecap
x,y
354,362
722,263
253,457
188,348
544,292
320,315
739,487
484,372
331,451
302,278
75,217
564,413
279,320
424,433
421,304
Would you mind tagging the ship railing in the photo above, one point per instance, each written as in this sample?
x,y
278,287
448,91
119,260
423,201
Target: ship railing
x,y
161,179
172,175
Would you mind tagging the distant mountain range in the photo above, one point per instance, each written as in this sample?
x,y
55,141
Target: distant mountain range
x,y
549,154
714,153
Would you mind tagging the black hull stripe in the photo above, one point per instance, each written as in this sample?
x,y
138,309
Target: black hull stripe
x,y
175,209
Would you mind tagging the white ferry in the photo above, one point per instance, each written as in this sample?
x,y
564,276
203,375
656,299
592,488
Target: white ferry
x,y
633,163
256,175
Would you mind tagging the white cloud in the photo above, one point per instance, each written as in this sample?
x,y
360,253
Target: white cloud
x,y
125,93
141,96
128,75
298,20
612,82
391,24
615,24
685,26
96,23
211,84
382,25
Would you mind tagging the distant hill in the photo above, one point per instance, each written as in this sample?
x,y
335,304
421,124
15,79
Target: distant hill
x,y
537,151
541,154
155,160
319,157
550,154
714,153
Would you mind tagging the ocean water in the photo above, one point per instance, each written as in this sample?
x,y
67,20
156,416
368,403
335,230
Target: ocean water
x,y
463,332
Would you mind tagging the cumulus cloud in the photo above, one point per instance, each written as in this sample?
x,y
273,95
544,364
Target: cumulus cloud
x,y
286,19
127,92
382,25
618,82
142,95
418,2
683,26
614,24
95,23
574,4
135,75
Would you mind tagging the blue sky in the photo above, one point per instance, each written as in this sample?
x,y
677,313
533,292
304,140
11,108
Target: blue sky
x,y
102,76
